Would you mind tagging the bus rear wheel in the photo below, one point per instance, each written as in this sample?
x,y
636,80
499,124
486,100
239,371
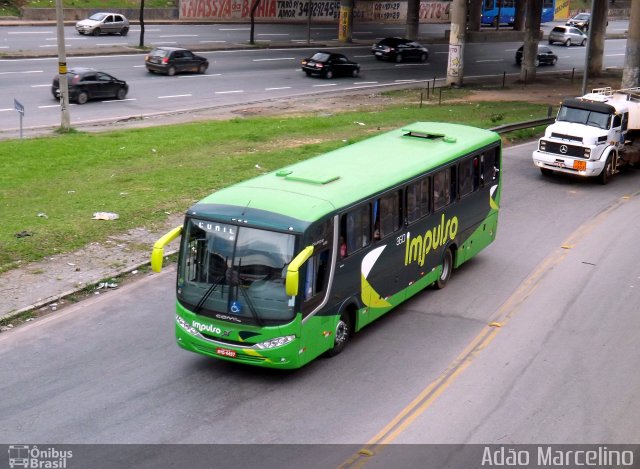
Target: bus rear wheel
x,y
342,334
447,269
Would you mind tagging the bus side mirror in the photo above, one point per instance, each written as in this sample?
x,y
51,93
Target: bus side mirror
x,y
158,248
293,278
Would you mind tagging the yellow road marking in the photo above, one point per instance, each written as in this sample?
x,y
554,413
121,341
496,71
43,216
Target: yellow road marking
x,y
506,311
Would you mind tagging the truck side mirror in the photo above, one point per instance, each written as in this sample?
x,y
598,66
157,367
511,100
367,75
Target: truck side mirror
x,y
158,248
292,281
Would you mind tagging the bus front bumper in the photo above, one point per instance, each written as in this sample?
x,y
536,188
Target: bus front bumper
x,y
284,357
568,165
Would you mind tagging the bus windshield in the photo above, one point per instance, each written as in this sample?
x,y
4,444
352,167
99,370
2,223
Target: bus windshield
x,y
584,116
235,273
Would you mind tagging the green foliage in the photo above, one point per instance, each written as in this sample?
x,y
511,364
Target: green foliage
x,y
12,7
50,187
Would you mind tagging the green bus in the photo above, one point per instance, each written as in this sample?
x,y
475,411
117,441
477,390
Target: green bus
x,y
282,268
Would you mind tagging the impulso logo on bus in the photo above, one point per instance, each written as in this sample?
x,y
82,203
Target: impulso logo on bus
x,y
419,246
206,328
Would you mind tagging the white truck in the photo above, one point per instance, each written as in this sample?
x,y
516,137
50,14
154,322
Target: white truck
x,y
593,135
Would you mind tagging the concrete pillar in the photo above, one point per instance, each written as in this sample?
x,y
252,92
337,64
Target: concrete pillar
x,y
413,19
598,26
475,12
455,66
345,33
631,71
531,37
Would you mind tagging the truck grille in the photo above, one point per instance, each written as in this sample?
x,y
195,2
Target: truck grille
x,y
566,137
562,149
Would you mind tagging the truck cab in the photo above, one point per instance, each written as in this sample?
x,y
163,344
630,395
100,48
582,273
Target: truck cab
x,y
589,136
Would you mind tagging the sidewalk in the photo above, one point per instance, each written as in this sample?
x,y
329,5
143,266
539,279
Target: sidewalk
x,y
44,283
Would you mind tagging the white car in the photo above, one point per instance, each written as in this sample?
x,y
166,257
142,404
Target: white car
x,y
99,23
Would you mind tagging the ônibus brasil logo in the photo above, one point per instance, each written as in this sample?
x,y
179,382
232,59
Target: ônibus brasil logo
x,y
42,458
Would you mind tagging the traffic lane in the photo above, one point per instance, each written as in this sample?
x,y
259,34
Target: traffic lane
x,y
563,370
120,350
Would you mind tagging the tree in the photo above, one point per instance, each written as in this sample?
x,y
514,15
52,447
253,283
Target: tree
x,y
254,7
141,45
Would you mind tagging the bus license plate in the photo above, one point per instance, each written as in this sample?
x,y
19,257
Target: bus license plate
x,y
226,352
580,165
559,164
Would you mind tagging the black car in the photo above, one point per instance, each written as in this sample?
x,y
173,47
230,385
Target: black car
x,y
172,60
580,21
329,64
85,84
545,56
399,49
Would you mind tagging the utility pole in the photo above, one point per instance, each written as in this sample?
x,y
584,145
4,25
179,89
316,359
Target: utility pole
x,y
457,38
65,123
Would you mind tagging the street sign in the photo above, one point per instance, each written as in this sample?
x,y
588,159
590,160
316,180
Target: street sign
x,y
18,106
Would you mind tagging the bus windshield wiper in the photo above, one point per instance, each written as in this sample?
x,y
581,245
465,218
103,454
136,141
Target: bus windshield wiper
x,y
211,288
247,298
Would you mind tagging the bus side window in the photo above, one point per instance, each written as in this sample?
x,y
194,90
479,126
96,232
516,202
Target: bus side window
x,y
355,229
387,215
489,166
417,200
442,185
317,274
468,176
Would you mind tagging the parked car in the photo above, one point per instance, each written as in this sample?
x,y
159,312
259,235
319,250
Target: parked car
x,y
172,60
545,56
85,84
581,21
399,49
567,35
330,64
99,23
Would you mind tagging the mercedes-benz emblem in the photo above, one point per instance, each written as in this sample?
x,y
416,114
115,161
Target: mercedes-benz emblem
x,y
563,149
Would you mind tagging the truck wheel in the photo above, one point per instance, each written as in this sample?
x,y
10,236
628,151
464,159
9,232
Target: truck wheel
x,y
607,172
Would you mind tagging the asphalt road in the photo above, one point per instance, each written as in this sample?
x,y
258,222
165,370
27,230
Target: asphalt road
x,y
561,280
240,77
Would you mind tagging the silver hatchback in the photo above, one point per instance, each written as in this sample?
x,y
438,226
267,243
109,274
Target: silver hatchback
x,y
567,35
99,23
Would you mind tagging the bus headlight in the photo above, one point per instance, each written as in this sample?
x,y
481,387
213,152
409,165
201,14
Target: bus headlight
x,y
543,145
277,342
186,326
587,152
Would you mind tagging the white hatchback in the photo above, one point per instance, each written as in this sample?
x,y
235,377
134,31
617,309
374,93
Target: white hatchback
x,y
99,23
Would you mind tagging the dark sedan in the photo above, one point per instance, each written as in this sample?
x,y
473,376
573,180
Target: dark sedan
x,y
399,49
85,84
172,60
545,56
330,64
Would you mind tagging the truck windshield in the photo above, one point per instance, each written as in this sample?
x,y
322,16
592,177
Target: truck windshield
x,y
584,116
235,273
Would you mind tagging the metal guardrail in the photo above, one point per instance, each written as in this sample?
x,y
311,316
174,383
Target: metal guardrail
x,y
503,129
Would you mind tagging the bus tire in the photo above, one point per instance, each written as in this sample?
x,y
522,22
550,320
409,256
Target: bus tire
x,y
342,334
447,269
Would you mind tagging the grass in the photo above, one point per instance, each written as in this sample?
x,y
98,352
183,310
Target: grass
x,y
50,187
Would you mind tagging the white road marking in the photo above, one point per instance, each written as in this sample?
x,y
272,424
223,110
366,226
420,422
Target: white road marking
x,y
228,92
175,96
181,35
279,88
26,71
328,84
270,60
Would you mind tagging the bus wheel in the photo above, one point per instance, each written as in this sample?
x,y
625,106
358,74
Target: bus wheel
x,y
342,334
447,268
